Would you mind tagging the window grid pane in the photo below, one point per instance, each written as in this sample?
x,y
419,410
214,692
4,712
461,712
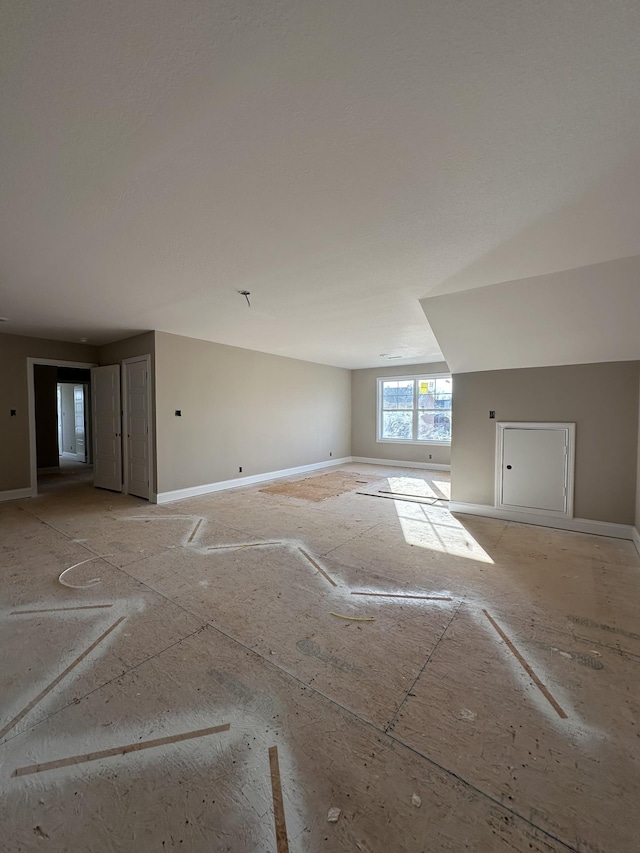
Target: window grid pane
x,y
397,395
416,409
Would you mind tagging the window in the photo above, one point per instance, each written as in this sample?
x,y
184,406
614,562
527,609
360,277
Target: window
x,y
415,409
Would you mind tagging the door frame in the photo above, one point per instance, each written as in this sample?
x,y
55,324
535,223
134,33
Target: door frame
x,y
125,439
570,429
31,399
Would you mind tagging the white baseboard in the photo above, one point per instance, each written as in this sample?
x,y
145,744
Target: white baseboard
x,y
395,463
578,525
15,494
68,455
636,538
221,485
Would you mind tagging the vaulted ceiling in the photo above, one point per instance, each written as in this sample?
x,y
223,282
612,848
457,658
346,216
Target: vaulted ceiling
x,y
340,161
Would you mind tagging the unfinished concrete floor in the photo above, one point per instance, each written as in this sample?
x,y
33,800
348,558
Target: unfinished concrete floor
x,y
499,712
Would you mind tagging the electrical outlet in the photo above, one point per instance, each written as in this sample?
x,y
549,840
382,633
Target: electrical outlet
x,y
492,413
178,413
240,470
330,453
430,456
13,413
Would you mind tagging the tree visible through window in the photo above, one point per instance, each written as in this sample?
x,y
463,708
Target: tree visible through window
x,y
415,409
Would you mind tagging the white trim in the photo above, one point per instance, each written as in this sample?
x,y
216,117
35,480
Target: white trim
x,y
68,455
578,525
636,538
570,431
125,448
416,441
221,485
396,463
31,407
15,494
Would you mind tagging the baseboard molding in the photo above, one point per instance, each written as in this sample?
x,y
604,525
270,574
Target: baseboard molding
x,y
395,463
68,455
577,525
221,485
15,494
636,538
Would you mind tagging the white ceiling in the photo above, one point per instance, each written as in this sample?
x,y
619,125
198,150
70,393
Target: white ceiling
x,y
339,160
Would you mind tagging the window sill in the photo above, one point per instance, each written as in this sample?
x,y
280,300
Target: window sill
x,y
431,443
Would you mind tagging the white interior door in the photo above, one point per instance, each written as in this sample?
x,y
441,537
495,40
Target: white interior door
x,y
107,441
78,403
68,420
534,468
137,442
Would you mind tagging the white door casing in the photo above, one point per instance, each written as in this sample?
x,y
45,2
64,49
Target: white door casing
x,y
107,441
137,428
534,468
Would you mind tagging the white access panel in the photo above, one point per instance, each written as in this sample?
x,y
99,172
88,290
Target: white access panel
x,y
534,471
107,440
137,437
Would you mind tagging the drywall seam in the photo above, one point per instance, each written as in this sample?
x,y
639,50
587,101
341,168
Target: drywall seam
x,y
578,525
15,494
394,463
221,485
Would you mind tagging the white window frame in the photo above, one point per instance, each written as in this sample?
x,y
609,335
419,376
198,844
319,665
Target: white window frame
x,y
415,378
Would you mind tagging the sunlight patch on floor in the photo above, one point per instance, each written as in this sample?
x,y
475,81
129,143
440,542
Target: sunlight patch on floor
x,y
437,530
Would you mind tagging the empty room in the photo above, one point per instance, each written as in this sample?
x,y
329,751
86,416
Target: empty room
x,y
319,426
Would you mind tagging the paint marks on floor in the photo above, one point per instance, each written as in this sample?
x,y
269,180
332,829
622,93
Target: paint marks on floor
x,y
282,841
353,618
239,546
60,609
317,566
195,530
589,623
308,647
404,595
15,720
118,750
411,500
541,687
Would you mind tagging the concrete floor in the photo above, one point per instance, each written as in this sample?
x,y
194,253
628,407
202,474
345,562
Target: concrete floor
x,y
501,714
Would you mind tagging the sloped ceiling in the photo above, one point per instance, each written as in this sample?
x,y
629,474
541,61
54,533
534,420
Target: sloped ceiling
x,y
338,160
578,316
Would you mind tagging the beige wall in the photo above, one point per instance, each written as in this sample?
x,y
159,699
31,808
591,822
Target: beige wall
x,y
14,431
638,479
243,408
45,386
602,400
143,344
364,394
